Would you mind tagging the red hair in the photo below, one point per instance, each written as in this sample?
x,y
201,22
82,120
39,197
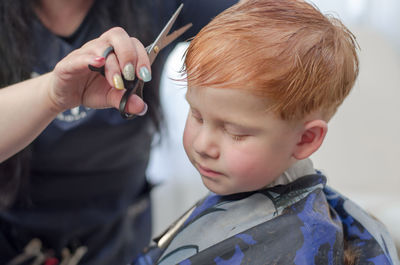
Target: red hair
x,y
284,50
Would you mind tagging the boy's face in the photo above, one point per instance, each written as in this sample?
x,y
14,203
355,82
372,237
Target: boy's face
x,y
233,142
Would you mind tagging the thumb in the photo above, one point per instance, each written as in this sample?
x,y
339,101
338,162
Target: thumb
x,y
135,104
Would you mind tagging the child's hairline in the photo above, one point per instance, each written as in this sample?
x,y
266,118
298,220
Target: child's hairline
x,y
294,120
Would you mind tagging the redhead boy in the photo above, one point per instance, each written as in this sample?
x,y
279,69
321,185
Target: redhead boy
x,y
264,78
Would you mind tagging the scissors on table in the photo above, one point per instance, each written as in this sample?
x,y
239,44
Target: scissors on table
x,y
162,40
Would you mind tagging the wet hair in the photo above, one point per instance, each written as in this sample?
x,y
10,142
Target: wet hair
x,y
284,50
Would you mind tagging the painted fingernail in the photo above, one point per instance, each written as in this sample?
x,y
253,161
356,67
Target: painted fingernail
x,y
143,111
99,59
118,83
145,74
129,72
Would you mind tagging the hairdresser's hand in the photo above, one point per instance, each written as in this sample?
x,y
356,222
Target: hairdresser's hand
x,y
73,84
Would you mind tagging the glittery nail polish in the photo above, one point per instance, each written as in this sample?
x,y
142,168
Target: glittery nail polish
x,y
118,83
129,72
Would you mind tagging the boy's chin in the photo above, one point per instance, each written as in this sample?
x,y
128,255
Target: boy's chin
x,y
218,188
215,187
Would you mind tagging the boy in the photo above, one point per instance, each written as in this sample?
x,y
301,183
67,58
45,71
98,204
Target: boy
x,y
264,78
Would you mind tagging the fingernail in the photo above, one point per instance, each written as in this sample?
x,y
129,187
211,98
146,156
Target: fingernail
x,y
143,111
129,72
145,74
118,83
99,59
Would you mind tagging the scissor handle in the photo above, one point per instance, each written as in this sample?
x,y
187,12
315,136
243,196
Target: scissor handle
x,y
101,69
132,87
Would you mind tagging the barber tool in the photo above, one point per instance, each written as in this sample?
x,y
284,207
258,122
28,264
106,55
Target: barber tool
x,y
162,40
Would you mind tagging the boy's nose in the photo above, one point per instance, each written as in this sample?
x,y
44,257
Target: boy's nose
x,y
206,144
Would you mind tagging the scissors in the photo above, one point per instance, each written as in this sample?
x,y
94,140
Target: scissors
x,y
136,86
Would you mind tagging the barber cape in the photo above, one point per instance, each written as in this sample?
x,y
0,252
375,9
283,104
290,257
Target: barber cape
x,y
296,220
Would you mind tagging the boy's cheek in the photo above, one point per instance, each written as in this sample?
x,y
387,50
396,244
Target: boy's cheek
x,y
253,171
246,173
187,139
241,163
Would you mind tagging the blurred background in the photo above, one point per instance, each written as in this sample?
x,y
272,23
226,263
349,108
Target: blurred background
x,y
362,148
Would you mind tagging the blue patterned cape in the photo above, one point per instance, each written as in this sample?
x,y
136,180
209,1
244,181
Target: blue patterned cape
x,y
303,222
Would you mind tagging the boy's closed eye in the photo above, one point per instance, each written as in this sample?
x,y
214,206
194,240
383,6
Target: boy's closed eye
x,y
236,133
196,115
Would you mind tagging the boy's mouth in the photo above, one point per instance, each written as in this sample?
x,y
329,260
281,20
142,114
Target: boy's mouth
x,y
207,172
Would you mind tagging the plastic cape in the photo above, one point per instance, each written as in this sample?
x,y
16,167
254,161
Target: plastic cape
x,y
303,222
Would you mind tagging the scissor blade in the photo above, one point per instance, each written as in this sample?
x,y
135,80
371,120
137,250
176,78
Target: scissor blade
x,y
174,35
163,34
153,50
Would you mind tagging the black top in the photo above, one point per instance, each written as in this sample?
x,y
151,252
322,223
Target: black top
x,y
88,167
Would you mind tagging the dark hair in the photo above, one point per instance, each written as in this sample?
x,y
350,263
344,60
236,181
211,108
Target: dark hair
x,y
15,66
16,17
14,44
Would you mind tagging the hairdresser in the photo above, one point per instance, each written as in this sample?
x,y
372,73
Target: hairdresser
x,y
76,188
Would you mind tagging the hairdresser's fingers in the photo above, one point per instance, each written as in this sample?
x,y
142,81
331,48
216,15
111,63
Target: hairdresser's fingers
x,y
96,46
135,104
77,61
124,49
101,47
143,69
70,79
91,91
112,72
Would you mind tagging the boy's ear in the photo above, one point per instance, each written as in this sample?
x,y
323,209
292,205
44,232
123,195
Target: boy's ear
x,y
311,139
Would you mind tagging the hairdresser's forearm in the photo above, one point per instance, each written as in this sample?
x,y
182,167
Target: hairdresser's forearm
x,y
25,110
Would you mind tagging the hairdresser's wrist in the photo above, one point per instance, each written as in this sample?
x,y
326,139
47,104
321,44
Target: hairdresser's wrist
x,y
57,102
